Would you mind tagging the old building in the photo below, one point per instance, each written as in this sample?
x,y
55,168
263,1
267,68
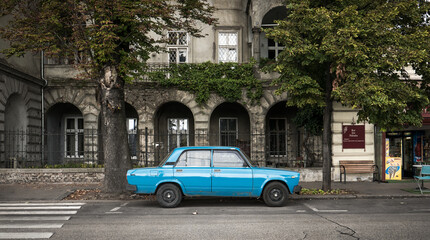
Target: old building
x,y
160,119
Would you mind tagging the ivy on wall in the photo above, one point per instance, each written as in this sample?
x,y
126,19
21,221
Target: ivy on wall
x,y
225,79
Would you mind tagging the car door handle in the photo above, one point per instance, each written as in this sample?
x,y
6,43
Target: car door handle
x,y
217,170
178,170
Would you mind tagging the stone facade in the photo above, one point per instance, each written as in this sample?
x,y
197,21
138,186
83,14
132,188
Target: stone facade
x,y
70,117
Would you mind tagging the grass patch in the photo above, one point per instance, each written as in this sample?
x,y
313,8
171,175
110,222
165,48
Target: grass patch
x,y
313,191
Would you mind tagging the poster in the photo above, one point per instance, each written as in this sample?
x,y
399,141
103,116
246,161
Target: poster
x,y
393,163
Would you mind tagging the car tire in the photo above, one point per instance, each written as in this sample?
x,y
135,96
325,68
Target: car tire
x,y
169,196
275,194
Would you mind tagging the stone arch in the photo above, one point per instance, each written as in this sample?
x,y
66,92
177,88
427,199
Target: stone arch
x,y
261,8
82,98
166,96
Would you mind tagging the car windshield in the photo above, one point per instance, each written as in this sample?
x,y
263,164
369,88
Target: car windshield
x,y
165,159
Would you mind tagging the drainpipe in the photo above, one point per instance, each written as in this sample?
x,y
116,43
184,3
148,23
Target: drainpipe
x,y
42,76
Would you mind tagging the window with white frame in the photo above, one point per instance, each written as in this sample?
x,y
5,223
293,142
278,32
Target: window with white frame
x,y
74,137
228,131
228,47
178,46
269,48
273,48
178,135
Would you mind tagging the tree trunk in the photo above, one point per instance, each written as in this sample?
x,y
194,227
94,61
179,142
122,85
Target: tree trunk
x,y
114,132
327,135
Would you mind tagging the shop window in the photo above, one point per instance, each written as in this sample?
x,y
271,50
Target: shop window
x,y
228,131
228,47
74,137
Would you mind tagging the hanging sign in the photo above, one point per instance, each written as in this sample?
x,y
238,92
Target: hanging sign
x,y
353,136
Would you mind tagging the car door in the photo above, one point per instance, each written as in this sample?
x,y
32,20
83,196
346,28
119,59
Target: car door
x,y
194,172
232,175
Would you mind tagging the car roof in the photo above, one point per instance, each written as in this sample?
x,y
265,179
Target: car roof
x,y
207,147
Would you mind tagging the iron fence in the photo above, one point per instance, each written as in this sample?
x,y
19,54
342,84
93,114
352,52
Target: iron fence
x,y
26,149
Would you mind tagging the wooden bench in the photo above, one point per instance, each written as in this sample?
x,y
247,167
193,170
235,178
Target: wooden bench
x,y
424,175
358,166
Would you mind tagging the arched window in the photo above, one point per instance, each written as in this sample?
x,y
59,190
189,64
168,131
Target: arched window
x,y
269,48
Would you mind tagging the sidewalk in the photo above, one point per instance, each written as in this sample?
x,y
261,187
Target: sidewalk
x,y
39,192
56,192
400,189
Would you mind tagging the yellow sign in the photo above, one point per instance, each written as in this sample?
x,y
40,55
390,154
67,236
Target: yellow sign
x,y
393,168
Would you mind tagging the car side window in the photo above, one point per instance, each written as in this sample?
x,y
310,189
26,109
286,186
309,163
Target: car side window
x,y
228,159
196,158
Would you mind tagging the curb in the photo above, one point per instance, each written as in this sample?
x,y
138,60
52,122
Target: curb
x,y
358,196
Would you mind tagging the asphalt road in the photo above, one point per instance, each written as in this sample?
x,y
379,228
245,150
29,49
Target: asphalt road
x,y
240,219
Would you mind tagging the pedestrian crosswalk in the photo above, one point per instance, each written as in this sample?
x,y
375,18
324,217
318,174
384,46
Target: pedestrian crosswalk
x,y
34,220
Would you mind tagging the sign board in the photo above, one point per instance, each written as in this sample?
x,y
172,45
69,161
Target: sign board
x,y
393,163
353,136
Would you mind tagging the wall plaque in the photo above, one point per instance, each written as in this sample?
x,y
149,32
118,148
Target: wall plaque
x,y
353,136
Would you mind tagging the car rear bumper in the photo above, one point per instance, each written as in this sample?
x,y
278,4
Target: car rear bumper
x,y
130,187
297,189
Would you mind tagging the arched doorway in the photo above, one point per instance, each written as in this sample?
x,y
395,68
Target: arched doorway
x,y
282,136
65,134
132,119
174,127
230,126
15,126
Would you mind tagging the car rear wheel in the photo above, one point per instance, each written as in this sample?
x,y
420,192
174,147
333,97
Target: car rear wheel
x,y
275,194
169,195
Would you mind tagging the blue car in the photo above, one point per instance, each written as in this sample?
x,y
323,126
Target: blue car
x,y
212,171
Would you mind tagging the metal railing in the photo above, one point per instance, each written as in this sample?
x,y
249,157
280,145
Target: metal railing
x,y
23,149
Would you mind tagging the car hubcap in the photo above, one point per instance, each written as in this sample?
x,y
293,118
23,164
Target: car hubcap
x,y
169,196
275,194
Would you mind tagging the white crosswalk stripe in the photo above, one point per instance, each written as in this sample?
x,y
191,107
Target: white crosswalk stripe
x,y
16,219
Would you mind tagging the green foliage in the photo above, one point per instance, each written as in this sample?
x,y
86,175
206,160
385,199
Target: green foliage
x,y
310,118
100,33
356,52
225,79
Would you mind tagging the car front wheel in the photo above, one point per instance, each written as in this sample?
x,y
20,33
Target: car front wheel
x,y
169,195
275,194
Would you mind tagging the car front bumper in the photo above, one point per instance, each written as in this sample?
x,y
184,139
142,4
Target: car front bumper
x,y
297,189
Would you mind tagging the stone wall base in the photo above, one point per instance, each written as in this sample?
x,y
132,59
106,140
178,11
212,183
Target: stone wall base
x,y
96,175
60,175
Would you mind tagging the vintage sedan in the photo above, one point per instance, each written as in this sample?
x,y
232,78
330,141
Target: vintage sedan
x,y
212,171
